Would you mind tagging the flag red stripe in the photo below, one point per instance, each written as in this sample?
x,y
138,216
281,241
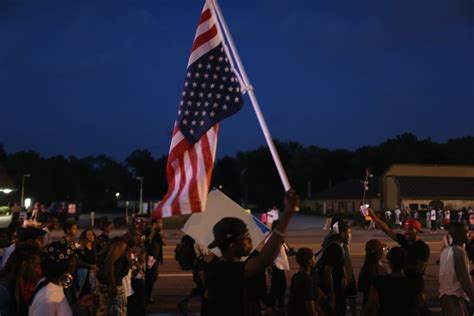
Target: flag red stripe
x,y
206,15
175,206
204,37
179,149
208,157
194,197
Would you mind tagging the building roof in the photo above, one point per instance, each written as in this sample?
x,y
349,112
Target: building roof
x,y
436,187
426,170
351,189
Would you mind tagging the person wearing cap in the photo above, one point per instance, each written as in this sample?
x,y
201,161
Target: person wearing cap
x,y
373,267
59,263
393,294
226,277
418,252
455,285
31,235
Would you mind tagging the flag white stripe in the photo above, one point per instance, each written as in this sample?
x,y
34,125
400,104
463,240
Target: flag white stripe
x,y
202,185
185,205
203,49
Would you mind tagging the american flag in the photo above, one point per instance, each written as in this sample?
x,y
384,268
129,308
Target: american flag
x,y
212,92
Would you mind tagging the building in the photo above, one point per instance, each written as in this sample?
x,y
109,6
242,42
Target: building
x,y
421,186
346,197
415,186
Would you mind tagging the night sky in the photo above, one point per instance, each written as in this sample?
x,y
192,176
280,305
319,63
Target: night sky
x,y
87,77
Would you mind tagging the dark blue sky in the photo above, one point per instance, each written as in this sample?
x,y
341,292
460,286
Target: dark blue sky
x,y
87,77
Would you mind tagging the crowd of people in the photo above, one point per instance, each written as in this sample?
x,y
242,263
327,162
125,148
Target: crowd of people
x,y
326,283
80,274
105,275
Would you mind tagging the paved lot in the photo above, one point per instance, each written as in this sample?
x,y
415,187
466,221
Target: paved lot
x,y
304,231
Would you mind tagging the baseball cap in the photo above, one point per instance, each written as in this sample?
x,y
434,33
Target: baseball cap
x,y
227,229
414,224
29,233
374,245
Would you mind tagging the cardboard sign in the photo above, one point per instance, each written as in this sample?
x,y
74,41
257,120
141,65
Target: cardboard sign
x,y
199,225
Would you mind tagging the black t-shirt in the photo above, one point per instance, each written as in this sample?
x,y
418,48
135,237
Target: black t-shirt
x,y
121,267
301,291
87,255
396,294
417,250
333,256
226,288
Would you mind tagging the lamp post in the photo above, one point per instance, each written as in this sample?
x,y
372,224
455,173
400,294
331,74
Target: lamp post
x,y
140,207
22,202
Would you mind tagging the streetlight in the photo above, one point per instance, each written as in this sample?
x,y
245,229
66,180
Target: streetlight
x,y
22,202
140,207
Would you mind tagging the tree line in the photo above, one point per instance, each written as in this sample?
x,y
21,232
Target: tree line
x,y
249,178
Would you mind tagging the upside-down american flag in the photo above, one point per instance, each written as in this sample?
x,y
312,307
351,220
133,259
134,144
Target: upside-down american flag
x,y
212,92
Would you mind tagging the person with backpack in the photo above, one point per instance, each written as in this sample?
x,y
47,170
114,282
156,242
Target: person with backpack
x,y
334,269
193,256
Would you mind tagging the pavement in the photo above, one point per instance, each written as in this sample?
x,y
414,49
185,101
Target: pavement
x,y
304,231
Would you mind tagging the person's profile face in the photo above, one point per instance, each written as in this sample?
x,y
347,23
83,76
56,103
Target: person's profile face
x,y
243,244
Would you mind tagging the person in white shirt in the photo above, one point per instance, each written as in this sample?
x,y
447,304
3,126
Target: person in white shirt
x,y
272,216
433,220
428,219
455,285
59,263
52,225
447,217
398,222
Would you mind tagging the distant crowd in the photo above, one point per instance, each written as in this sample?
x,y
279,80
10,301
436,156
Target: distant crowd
x,y
85,274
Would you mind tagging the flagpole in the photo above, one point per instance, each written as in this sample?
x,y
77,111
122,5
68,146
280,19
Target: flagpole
x,y
253,98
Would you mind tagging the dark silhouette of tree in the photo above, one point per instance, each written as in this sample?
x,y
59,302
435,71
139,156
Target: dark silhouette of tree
x,y
250,177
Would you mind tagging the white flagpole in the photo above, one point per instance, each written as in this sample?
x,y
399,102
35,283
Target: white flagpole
x,y
253,98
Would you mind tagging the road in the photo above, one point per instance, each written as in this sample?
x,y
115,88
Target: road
x,y
304,231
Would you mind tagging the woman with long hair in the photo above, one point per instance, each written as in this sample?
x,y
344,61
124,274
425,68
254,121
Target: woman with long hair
x,y
87,261
23,267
